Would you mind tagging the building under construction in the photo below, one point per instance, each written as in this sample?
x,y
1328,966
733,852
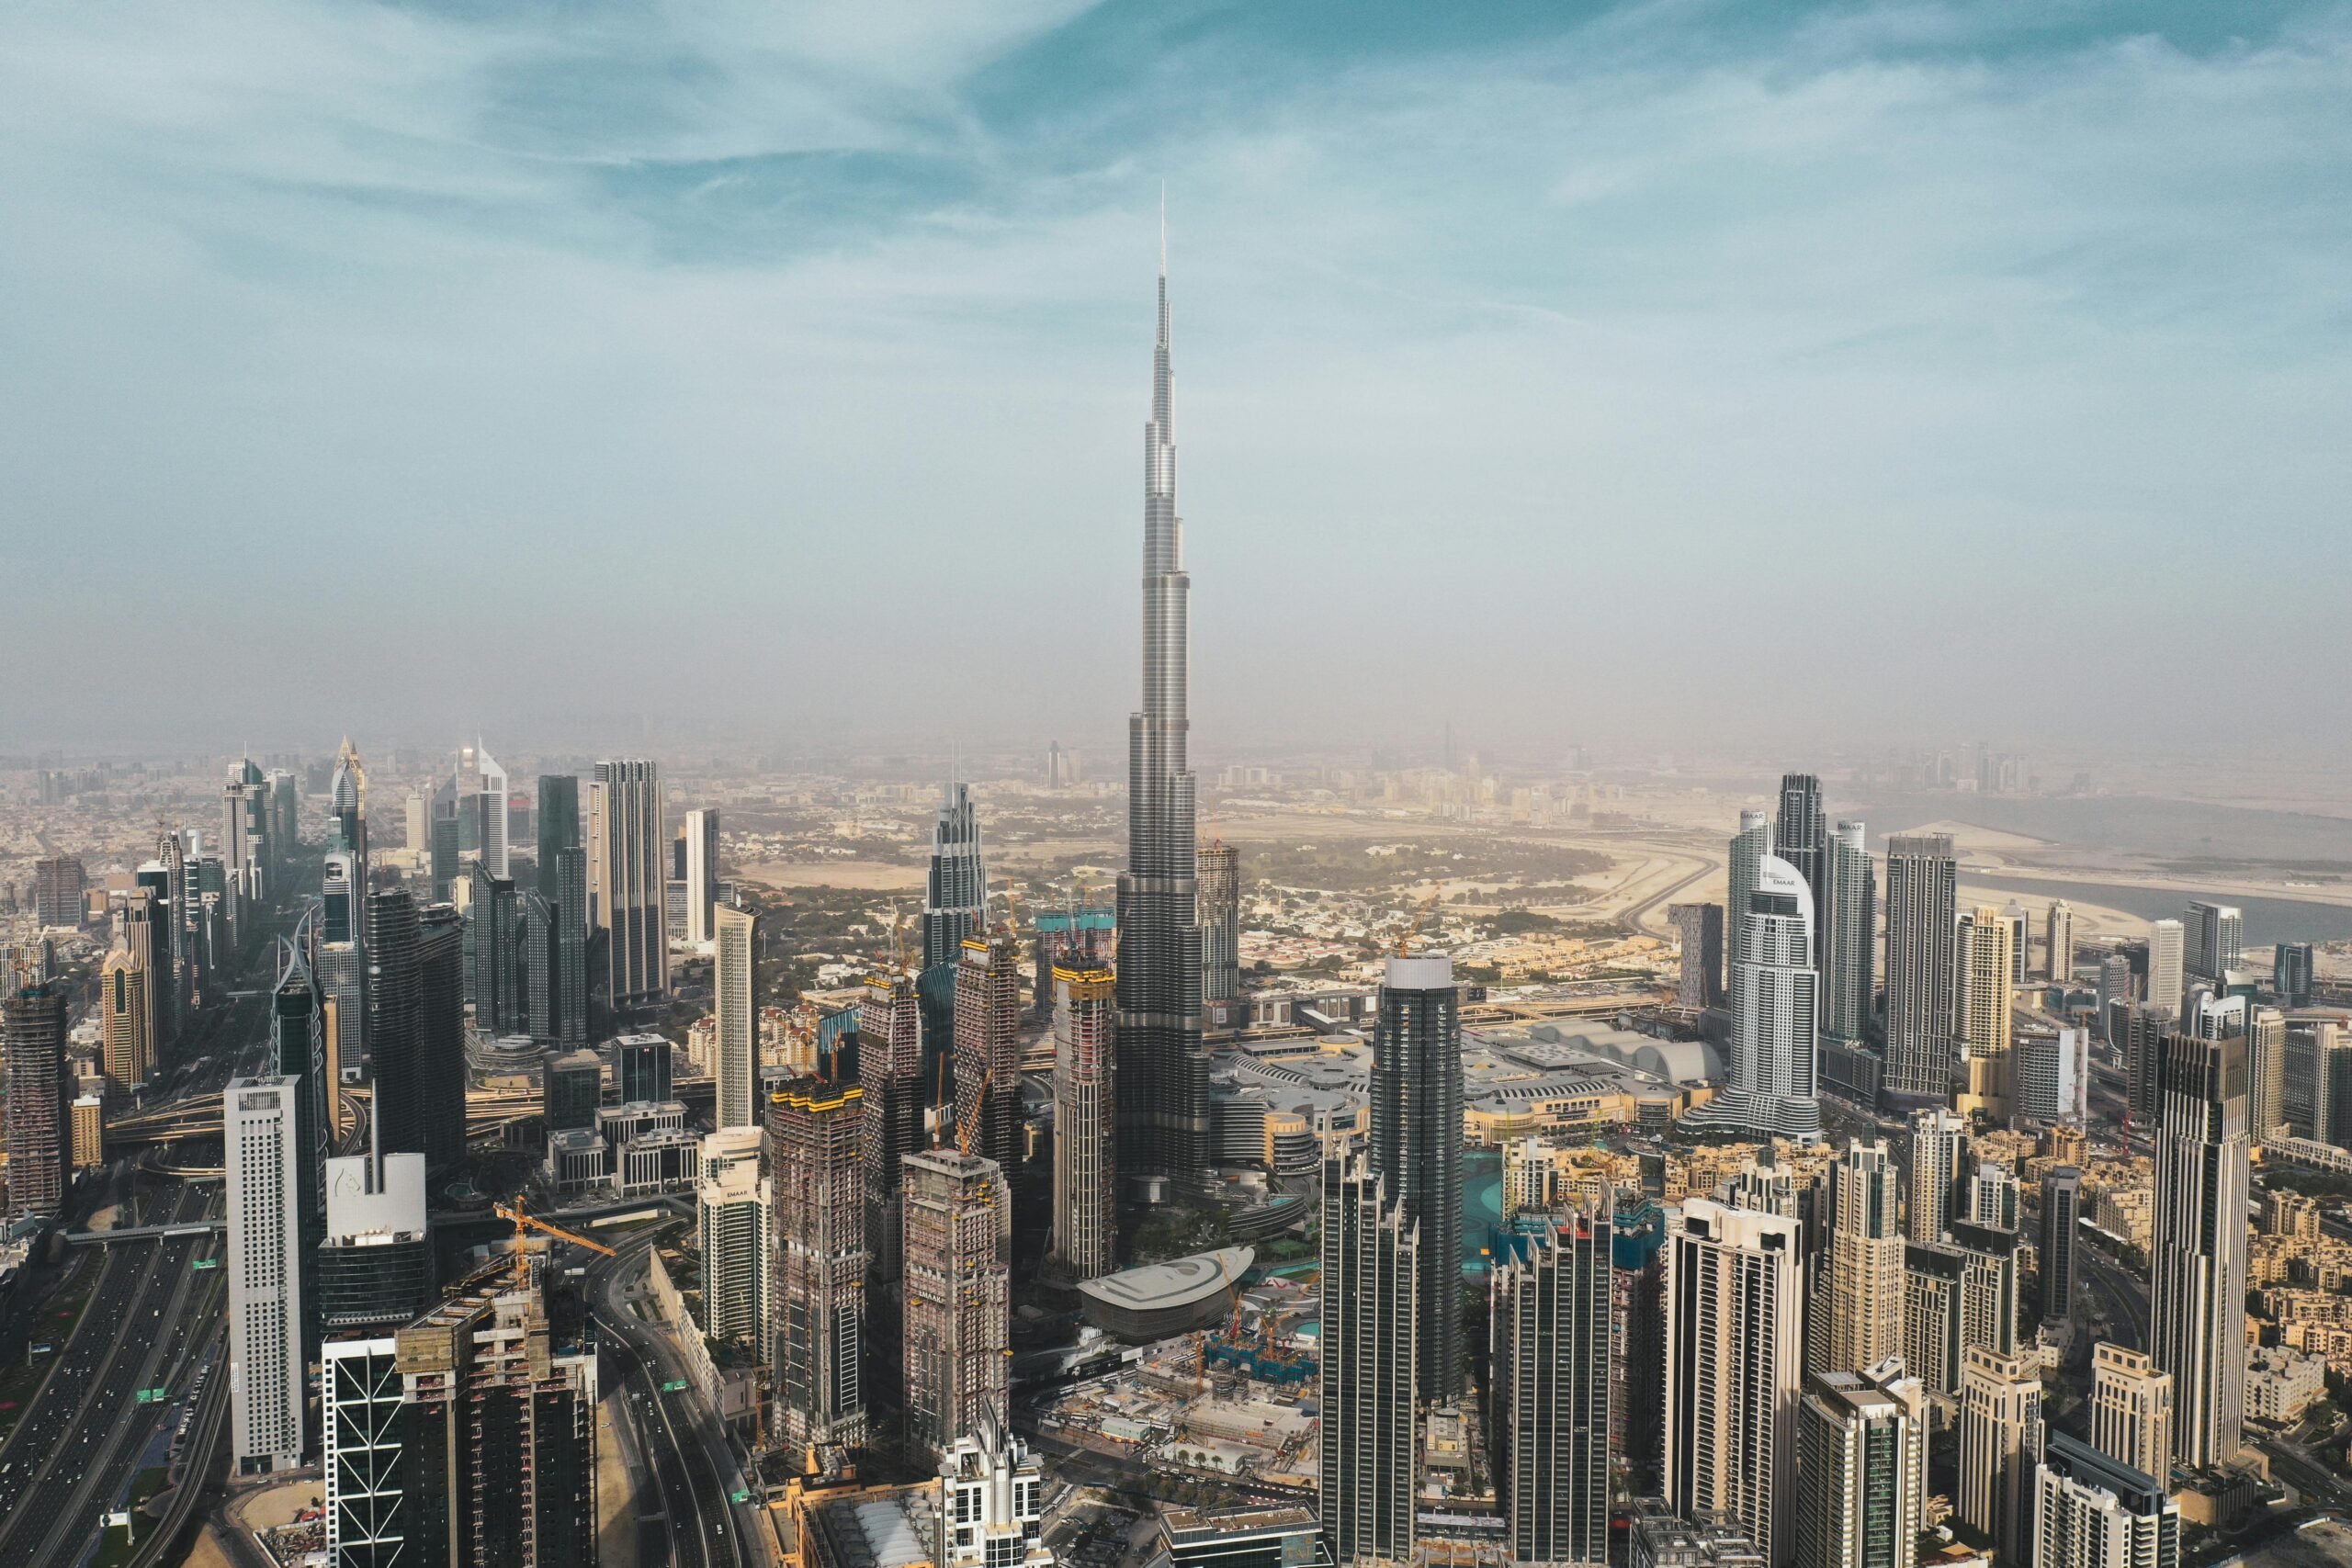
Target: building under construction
x,y
958,1301
889,1071
1085,1221
987,1047
499,1436
817,1316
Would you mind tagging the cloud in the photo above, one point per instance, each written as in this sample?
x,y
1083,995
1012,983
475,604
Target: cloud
x,y
780,369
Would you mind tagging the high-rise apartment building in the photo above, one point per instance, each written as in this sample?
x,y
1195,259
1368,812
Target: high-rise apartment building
x,y
32,1037
735,984
733,1205
2199,1271
1748,847
1085,1223
1698,929
629,848
1371,1450
956,1339
1849,934
889,1069
1770,1086
2168,968
989,1513
1989,1030
1994,1197
1416,1146
2090,1512
1862,1465
1548,1395
1922,910
956,893
1866,1246
1162,1077
2058,941
816,1152
988,1046
1220,897
2132,1409
1939,1158
700,832
1734,1305
2000,1444
2265,1073
60,891
261,1130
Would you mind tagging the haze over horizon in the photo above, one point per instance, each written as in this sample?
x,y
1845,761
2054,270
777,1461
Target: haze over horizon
x,y
1673,371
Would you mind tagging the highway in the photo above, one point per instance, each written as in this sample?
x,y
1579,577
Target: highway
x,y
683,1516
2124,1295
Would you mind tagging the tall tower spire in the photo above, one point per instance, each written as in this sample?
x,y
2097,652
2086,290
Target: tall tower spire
x,y
1161,1086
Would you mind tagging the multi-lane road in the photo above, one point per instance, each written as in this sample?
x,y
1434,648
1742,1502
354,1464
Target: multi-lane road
x,y
678,1461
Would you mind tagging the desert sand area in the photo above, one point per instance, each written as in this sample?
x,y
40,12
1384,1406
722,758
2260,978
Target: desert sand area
x,y
862,875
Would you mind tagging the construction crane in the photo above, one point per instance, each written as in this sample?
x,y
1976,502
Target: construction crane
x,y
522,1222
898,948
1404,943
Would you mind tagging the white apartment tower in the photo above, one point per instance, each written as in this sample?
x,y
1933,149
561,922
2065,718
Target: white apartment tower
x,y
262,1133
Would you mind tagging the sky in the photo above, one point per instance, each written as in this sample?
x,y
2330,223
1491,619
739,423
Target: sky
x,y
1688,372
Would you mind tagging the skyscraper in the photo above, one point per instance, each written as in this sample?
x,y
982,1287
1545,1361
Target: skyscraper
x,y
1085,1221
1992,960
1922,897
956,895
1849,934
439,1069
701,834
1748,846
816,1150
2199,1271
2265,1067
126,1026
563,882
732,1215
2058,941
261,1130
1800,837
491,805
2061,1216
1369,1449
988,1046
889,1069
2291,972
1735,1305
2215,939
493,953
735,984
2132,1409
1699,929
958,1294
2167,953
365,1458
58,884
1866,1243
1549,1392
1416,1146
1220,870
32,1035
626,899
2000,1444
1163,1078
297,1050
1862,1462
394,1002
1775,1014
374,1265
2091,1512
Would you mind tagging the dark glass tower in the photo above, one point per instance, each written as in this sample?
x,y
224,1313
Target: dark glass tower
x,y
441,1035
1800,837
563,882
1370,1269
954,903
1162,1076
1417,1146
393,1005
1550,1390
298,1043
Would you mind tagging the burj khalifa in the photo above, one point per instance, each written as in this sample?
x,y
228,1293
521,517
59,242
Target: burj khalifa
x,y
1161,1090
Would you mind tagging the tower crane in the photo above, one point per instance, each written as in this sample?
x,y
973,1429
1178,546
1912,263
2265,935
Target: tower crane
x,y
1404,943
522,1222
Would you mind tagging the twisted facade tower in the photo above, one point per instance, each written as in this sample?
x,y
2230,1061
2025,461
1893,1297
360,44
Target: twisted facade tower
x,y
1162,1076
